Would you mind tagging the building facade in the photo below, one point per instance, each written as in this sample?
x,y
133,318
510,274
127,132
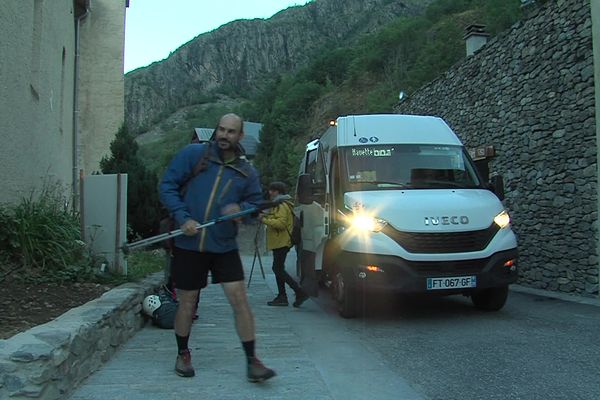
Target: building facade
x,y
61,76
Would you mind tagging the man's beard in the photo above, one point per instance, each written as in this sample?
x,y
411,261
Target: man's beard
x,y
224,144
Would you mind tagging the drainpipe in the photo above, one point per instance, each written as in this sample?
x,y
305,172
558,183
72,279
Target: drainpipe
x,y
79,16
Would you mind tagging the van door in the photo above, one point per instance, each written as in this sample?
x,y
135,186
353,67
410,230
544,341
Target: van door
x,y
314,213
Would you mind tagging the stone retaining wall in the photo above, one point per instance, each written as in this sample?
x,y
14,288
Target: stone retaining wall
x,y
529,92
50,360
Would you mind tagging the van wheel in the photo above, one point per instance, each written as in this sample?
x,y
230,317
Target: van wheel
x,y
491,299
344,296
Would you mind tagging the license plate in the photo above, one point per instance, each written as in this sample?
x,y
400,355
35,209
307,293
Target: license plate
x,y
452,282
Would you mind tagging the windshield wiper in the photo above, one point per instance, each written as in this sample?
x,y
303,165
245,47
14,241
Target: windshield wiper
x,y
434,183
382,183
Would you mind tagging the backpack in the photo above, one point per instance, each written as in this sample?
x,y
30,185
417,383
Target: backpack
x,y
296,233
164,316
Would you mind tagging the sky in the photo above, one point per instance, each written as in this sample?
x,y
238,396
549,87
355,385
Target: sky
x,y
155,28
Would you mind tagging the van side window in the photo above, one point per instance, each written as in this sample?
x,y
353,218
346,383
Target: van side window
x,y
316,169
311,162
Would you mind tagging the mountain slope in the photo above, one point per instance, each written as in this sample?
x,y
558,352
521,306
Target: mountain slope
x,y
241,56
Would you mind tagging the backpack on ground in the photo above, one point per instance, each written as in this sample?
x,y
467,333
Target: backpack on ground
x,y
161,308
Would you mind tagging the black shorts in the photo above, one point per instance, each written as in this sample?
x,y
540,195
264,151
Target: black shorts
x,y
189,269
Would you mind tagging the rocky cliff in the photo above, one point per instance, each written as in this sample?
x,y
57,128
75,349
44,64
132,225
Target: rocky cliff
x,y
240,56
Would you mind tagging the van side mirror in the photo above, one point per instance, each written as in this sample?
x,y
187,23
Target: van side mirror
x,y
483,168
497,186
304,189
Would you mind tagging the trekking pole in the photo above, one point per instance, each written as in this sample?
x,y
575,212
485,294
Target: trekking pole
x,y
127,247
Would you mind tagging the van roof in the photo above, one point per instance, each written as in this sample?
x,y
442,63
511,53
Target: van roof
x,y
394,128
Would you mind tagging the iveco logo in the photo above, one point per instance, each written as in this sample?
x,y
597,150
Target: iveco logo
x,y
447,220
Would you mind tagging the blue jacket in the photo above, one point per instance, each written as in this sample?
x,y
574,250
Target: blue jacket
x,y
206,194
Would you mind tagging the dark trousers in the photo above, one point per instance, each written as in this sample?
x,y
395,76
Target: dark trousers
x,y
281,276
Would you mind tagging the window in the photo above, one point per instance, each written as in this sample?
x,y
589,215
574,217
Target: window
x,y
316,169
404,166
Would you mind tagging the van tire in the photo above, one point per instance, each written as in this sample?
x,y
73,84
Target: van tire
x,y
344,296
490,299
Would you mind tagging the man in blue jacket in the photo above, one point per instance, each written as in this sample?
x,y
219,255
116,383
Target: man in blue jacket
x,y
226,184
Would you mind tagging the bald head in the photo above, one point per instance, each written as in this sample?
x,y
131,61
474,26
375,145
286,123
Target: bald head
x,y
233,118
229,132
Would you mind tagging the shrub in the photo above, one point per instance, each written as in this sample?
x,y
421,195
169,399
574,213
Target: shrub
x,y
143,207
40,236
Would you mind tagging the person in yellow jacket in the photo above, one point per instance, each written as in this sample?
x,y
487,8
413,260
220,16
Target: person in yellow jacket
x,y
279,224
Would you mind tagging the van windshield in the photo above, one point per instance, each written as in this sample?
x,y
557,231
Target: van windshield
x,y
408,166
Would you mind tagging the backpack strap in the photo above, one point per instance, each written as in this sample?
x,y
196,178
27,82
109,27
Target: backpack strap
x,y
167,224
289,206
200,166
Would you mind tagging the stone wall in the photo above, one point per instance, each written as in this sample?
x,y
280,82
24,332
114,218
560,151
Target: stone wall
x,y
49,361
529,92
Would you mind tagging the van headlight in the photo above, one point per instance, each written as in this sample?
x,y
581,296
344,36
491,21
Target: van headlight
x,y
364,222
502,219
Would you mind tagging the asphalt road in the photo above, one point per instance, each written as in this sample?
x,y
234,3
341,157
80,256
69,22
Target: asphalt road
x,y
534,348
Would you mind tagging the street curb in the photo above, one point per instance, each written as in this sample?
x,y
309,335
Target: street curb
x,y
556,295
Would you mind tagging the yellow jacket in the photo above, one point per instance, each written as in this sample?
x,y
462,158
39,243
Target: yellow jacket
x,y
279,226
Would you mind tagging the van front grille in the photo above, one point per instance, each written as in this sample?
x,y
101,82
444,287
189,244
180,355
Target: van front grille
x,y
451,242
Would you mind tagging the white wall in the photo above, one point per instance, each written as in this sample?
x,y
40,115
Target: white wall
x,y
102,88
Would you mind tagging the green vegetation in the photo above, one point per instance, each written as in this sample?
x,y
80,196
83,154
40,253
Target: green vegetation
x,y
143,206
140,264
40,241
364,77
157,154
40,236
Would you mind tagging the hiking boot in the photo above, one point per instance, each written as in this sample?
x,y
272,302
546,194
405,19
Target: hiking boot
x,y
183,365
279,301
257,372
301,297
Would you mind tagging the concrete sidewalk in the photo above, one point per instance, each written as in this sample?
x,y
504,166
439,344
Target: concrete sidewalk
x,y
295,342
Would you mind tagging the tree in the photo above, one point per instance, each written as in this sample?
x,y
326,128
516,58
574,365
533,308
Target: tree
x,y
143,206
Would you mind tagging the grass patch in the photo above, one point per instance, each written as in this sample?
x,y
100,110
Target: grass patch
x,y
40,243
143,263
140,264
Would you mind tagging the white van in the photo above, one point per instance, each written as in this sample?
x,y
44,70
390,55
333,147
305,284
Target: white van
x,y
394,202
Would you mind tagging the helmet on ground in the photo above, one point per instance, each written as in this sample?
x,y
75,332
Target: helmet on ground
x,y
151,304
